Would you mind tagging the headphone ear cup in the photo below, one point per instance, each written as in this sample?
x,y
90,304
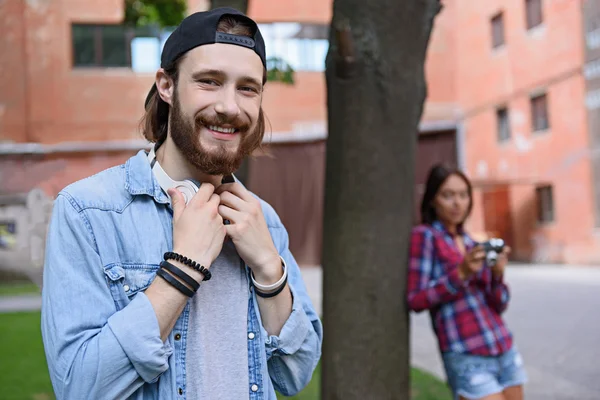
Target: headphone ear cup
x,y
188,189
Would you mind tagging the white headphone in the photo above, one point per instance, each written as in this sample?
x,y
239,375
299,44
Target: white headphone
x,y
188,187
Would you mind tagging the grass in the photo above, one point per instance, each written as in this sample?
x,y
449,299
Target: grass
x,y
18,288
24,374
23,369
423,387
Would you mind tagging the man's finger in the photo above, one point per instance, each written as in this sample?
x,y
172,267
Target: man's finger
x,y
232,201
229,214
177,202
236,189
204,194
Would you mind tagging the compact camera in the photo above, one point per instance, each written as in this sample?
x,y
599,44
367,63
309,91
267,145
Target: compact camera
x,y
493,248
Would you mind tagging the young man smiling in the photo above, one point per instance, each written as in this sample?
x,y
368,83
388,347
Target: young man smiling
x,y
165,278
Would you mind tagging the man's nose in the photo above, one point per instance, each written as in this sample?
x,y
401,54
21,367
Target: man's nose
x,y
227,105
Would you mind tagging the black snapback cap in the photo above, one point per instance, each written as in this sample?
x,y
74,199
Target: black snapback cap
x,y
201,28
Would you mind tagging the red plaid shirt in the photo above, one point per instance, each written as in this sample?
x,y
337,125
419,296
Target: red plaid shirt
x,y
465,314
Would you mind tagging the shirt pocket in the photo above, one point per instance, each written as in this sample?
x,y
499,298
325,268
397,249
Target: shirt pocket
x,y
126,280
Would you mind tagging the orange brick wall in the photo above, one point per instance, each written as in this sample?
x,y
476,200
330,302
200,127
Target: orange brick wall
x,y
549,57
440,68
291,10
13,108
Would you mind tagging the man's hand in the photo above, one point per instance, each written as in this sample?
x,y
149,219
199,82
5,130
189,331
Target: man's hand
x,y
198,230
249,232
498,269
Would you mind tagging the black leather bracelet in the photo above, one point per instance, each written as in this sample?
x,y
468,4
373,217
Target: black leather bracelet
x,y
272,294
174,282
169,255
180,274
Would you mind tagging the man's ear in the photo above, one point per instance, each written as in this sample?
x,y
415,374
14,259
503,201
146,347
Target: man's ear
x,y
165,86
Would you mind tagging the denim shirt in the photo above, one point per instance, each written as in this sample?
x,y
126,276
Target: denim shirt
x,y
101,336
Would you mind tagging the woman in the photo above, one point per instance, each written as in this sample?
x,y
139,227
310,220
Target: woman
x,y
449,277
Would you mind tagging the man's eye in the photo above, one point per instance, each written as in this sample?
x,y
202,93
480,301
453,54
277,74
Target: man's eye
x,y
208,81
249,89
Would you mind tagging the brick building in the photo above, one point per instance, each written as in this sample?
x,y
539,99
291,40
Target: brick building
x,y
529,137
502,84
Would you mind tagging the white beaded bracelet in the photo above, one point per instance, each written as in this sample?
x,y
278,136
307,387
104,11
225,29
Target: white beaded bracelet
x,y
274,286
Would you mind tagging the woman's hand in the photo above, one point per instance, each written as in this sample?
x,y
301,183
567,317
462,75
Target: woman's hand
x,y
472,263
498,269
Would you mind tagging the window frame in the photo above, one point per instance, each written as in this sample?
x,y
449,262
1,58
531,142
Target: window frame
x,y
498,30
534,14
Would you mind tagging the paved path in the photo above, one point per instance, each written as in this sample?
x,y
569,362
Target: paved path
x,y
555,317
20,303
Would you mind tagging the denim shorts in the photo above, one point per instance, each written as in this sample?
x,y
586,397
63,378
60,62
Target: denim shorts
x,y
474,377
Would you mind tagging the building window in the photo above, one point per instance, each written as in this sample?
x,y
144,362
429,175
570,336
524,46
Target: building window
x,y
545,204
497,30
101,46
539,112
108,46
302,46
503,124
533,11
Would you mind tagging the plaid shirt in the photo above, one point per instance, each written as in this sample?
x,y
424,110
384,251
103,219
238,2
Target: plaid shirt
x,y
465,314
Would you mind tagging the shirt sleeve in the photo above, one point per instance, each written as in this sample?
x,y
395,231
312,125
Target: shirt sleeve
x,y
497,294
92,349
424,292
293,355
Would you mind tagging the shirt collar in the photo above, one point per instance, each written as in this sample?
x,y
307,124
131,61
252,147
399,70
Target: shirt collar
x,y
139,178
437,225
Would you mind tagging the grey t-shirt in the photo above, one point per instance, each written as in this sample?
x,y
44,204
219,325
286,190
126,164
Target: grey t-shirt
x,y
217,342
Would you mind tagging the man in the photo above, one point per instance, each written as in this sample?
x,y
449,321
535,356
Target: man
x,y
165,278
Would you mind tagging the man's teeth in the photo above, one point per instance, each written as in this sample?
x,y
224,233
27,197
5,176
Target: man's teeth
x,y
222,130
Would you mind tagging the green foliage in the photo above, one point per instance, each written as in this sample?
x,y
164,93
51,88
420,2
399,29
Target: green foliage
x,y
162,13
279,71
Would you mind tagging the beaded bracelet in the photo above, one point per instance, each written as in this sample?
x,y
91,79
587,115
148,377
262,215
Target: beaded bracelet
x,y
169,255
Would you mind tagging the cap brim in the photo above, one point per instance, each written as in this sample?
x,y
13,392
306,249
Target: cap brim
x,y
150,94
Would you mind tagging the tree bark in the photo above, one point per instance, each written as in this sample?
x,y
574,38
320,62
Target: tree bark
x,y
375,94
240,5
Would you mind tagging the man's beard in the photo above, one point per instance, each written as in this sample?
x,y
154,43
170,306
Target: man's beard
x,y
217,161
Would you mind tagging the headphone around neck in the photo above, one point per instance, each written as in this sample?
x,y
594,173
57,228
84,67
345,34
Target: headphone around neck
x,y
188,187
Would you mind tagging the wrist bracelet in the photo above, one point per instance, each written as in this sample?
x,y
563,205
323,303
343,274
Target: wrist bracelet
x,y
277,285
174,282
179,273
169,255
273,294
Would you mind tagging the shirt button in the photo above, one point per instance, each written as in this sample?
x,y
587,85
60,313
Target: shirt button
x,y
251,335
126,287
254,388
180,391
177,336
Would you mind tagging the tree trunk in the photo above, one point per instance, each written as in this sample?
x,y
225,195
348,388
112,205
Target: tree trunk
x,y
375,94
240,5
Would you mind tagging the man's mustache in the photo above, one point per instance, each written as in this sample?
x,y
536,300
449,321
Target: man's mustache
x,y
235,122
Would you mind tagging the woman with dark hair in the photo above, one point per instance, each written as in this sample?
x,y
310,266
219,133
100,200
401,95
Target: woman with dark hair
x,y
448,276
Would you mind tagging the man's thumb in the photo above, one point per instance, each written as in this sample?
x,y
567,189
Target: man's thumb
x,y
177,202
